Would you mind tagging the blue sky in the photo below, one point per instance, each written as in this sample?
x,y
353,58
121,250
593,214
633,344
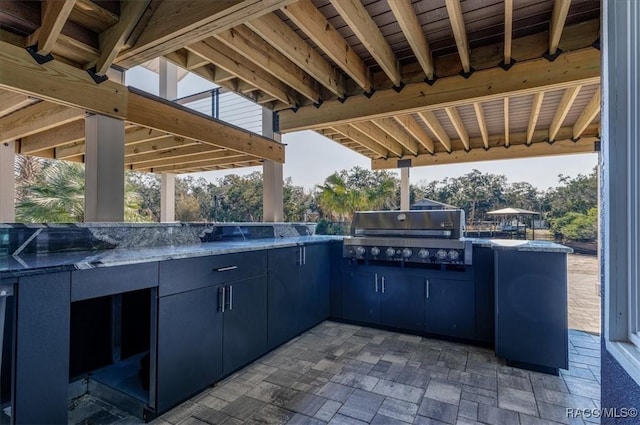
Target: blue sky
x,y
310,158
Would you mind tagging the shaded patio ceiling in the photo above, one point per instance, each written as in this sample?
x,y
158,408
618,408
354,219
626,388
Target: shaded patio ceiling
x,y
430,81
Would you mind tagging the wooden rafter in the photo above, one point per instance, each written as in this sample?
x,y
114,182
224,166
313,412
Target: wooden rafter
x,y
416,130
508,30
558,18
226,58
280,36
408,21
197,165
563,146
180,155
568,98
533,117
360,22
313,23
436,128
482,123
36,118
57,136
11,101
175,24
507,126
393,129
54,15
459,32
589,113
530,77
113,39
247,43
362,139
158,145
458,125
379,136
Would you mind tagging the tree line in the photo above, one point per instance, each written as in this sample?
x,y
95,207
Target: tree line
x,y
53,191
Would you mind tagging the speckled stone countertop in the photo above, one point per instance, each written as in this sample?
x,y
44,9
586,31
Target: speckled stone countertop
x,y
520,245
29,264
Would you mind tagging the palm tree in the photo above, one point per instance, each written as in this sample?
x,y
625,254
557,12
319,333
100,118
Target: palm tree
x,y
334,196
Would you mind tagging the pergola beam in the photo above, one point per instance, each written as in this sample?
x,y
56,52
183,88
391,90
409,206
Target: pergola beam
x,y
360,22
589,113
458,125
568,98
535,112
408,21
393,129
558,18
436,128
507,126
362,139
530,77
36,118
54,14
413,128
381,137
508,30
459,32
55,137
186,160
197,165
313,23
564,146
482,123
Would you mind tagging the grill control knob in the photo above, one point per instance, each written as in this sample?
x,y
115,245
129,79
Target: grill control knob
x,y
441,254
360,251
423,253
453,255
390,252
406,253
375,251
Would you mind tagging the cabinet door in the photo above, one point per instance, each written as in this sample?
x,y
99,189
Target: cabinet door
x,y
283,283
361,299
314,286
402,301
245,323
450,308
189,344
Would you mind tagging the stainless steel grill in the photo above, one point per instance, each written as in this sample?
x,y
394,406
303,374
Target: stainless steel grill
x,y
431,237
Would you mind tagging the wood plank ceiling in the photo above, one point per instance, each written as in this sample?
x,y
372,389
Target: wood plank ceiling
x,y
433,81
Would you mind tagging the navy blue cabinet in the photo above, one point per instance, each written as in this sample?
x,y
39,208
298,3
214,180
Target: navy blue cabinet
x,y
189,344
314,285
450,307
402,299
360,297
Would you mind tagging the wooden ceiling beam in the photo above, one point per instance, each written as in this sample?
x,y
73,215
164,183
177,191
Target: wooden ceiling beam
x,y
158,145
530,77
458,125
589,113
408,21
436,128
362,139
482,123
152,112
313,23
226,58
234,159
54,15
179,155
393,129
12,101
564,146
55,137
507,126
281,37
360,22
113,39
379,136
175,24
459,32
558,18
36,118
250,45
533,118
416,130
568,98
508,30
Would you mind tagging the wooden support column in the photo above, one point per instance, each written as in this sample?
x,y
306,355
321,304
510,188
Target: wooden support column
x,y
272,181
168,90
405,198
7,182
104,165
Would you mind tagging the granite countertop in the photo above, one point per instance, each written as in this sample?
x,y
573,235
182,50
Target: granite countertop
x,y
520,245
28,264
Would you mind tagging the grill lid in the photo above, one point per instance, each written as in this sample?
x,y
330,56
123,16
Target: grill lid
x,y
441,224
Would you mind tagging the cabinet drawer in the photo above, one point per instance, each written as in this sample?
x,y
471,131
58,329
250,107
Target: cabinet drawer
x,y
103,281
193,273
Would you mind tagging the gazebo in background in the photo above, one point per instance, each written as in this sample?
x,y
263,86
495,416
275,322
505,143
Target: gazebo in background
x,y
516,214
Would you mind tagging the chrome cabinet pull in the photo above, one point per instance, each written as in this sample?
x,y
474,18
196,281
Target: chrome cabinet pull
x,y
383,284
376,280
304,255
300,255
226,269
230,297
222,298
427,287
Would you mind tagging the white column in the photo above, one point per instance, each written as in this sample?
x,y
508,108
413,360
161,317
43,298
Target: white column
x,y
272,181
7,182
167,197
168,89
104,169
404,189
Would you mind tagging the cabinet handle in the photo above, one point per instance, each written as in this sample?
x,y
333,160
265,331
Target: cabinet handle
x,y
427,287
300,255
226,269
383,284
222,298
230,297
376,279
304,255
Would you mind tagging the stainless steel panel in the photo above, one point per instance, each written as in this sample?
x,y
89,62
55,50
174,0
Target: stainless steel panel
x,y
406,222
